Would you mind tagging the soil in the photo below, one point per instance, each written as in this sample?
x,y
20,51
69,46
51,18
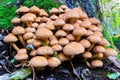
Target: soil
x,y
63,72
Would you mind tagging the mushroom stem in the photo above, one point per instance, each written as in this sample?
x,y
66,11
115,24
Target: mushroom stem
x,y
72,20
91,47
28,23
78,38
14,46
89,65
21,40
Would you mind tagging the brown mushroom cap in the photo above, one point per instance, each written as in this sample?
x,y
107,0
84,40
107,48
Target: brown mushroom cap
x,y
29,29
76,25
10,38
44,19
34,25
18,30
80,31
50,26
99,49
33,53
70,37
53,62
28,17
63,57
30,41
34,9
94,20
38,61
37,43
43,33
85,24
93,28
15,20
56,47
53,17
42,25
22,9
98,33
37,19
68,27
63,41
87,55
85,43
59,22
60,33
73,48
63,7
53,42
60,10
110,52
44,50
28,35
94,38
53,11
96,63
21,55
89,32
104,42
43,13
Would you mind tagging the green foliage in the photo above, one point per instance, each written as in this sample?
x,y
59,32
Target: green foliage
x,y
45,4
113,75
21,74
7,12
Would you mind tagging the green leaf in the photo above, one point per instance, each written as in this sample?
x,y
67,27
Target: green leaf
x,y
21,74
118,56
113,75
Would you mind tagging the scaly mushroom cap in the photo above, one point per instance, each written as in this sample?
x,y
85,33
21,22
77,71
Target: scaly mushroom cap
x,y
53,11
94,38
85,43
60,33
50,26
34,9
89,32
43,13
18,30
96,63
94,21
43,33
63,57
98,33
110,52
85,24
53,62
21,55
30,29
33,53
28,35
59,22
70,37
87,55
93,28
63,41
104,42
53,17
44,50
38,61
80,31
56,47
22,9
73,48
53,42
34,25
10,38
15,20
99,49
68,27
71,14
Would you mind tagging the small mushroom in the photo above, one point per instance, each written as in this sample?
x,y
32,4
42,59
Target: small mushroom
x,y
70,37
99,49
63,41
33,53
110,52
89,32
104,42
15,21
30,41
85,24
94,21
63,57
11,39
59,23
34,10
98,33
30,29
57,47
79,32
21,55
37,19
53,62
73,48
68,27
22,10
37,43
50,26
53,17
28,35
19,30
43,13
85,43
39,62
96,63
60,33
53,42
34,25
42,25
54,11
87,55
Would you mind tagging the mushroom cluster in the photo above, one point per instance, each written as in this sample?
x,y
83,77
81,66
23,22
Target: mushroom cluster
x,y
58,36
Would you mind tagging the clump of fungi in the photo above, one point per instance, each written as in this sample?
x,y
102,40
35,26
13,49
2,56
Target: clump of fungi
x,y
58,36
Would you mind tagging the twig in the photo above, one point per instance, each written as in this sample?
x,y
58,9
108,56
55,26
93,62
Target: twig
x,y
74,71
33,70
